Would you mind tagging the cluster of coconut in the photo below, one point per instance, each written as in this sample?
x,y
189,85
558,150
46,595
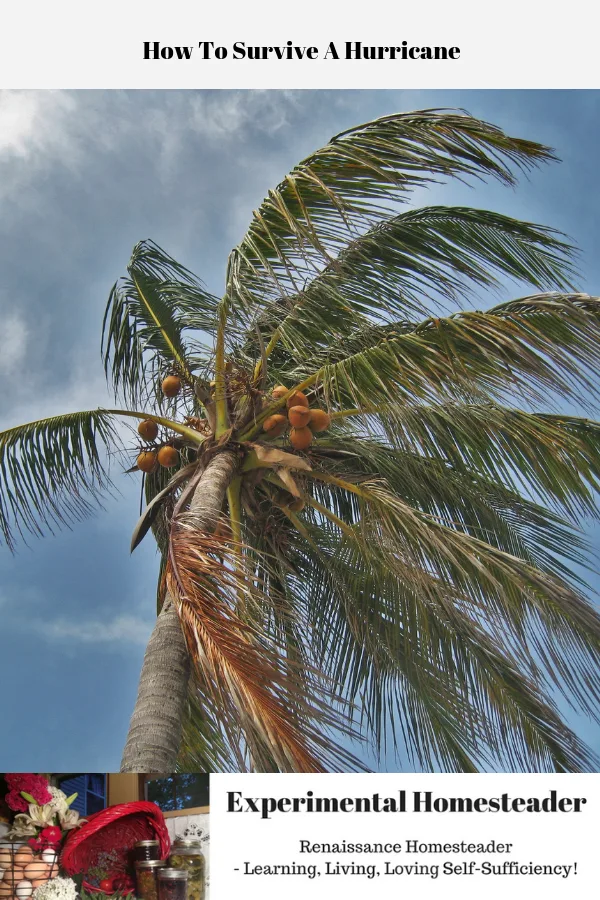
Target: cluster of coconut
x,y
22,871
302,421
149,460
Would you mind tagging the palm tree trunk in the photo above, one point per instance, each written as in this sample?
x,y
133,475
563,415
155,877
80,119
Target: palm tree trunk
x,y
156,724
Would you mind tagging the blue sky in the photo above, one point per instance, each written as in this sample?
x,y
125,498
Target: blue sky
x,y
84,176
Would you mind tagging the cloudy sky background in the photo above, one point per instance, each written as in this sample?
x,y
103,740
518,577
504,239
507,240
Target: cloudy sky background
x,y
83,177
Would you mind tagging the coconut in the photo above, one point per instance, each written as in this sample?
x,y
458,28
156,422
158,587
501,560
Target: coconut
x,y
299,416
301,438
168,456
275,425
297,505
319,420
171,386
297,399
148,429
146,461
278,392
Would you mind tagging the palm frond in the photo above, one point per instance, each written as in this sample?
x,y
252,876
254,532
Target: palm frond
x,y
256,695
461,498
342,189
404,265
154,516
53,471
556,457
547,343
421,668
205,747
541,613
269,535
143,332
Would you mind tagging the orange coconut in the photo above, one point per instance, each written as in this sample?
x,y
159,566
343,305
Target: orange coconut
x,y
275,425
171,386
148,429
319,420
278,392
299,416
301,438
146,461
168,456
297,399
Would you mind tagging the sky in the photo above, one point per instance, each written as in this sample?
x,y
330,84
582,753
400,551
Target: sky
x,y
83,177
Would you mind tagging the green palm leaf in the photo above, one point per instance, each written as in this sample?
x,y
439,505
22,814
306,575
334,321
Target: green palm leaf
x,y
53,471
205,747
462,498
402,265
556,457
343,188
426,673
143,332
535,609
548,342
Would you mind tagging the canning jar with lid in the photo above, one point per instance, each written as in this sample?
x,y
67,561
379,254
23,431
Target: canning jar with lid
x,y
146,850
172,884
187,854
146,878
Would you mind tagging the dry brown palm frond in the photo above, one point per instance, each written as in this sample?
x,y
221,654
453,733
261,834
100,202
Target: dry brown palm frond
x,y
250,680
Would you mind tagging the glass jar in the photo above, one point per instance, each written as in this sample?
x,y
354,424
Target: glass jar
x,y
172,884
187,854
146,878
143,850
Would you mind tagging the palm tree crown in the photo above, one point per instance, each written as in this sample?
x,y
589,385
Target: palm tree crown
x,y
396,567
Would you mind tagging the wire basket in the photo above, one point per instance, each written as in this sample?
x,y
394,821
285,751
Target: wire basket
x,y
24,869
103,846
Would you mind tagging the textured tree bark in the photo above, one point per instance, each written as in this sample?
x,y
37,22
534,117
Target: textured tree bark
x,y
156,724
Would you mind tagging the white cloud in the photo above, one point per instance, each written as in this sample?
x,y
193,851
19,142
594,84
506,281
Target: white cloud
x,y
120,630
63,126
31,121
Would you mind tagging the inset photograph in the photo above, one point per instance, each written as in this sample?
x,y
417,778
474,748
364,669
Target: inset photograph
x,y
71,836
299,438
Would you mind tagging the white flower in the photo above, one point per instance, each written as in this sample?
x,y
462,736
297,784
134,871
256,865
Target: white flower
x,y
59,800
21,827
60,803
56,889
70,819
41,815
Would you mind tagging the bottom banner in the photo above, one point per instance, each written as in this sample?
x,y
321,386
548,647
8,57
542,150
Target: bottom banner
x,y
392,835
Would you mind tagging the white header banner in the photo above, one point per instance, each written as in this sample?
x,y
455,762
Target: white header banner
x,y
404,835
184,44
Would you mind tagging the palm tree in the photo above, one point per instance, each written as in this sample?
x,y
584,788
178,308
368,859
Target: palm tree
x,y
397,567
